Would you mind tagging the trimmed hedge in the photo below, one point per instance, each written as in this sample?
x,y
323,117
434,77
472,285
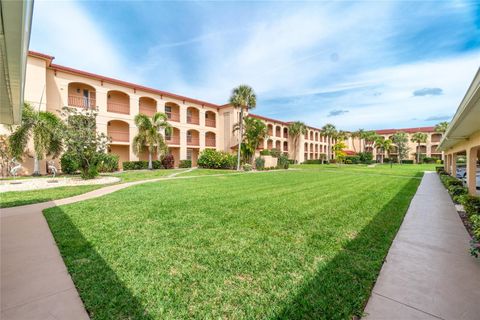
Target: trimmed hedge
x,y
316,161
141,165
185,164
213,159
405,161
108,162
259,163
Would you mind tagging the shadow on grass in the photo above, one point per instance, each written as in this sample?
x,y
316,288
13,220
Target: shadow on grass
x,y
340,289
102,292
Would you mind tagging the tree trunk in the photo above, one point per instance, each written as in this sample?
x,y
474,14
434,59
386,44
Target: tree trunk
x,y
418,152
240,138
36,166
295,150
150,166
329,149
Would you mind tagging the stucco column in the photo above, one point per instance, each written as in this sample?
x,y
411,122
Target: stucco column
x,y
101,100
472,170
160,105
201,115
446,163
202,139
183,117
132,130
183,143
134,106
454,164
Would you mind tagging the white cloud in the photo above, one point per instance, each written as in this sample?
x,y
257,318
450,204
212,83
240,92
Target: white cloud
x,y
64,29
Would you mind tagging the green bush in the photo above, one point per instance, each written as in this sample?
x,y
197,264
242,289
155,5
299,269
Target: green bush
x,y
185,164
406,161
135,165
455,191
107,162
247,167
438,161
69,163
365,157
352,159
439,169
428,160
283,162
275,153
259,163
450,181
168,161
385,160
471,204
265,152
213,159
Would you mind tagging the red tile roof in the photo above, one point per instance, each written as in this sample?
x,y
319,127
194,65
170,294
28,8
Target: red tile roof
x,y
267,119
407,130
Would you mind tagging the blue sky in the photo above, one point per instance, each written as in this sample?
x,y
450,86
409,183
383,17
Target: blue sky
x,y
354,64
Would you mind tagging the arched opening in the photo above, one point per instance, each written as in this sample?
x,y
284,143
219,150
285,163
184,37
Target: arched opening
x,y
172,110
436,137
270,130
278,131
269,144
210,140
210,119
81,95
173,137
285,132
311,135
118,102
306,147
193,115
278,145
316,136
285,146
193,138
261,144
118,131
306,135
147,106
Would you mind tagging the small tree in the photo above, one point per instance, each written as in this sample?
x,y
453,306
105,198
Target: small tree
x,y
295,130
339,153
83,141
384,144
45,128
255,131
401,141
242,97
149,135
419,137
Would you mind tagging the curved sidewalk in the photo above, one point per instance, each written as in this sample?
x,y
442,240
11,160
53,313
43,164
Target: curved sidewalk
x,y
428,272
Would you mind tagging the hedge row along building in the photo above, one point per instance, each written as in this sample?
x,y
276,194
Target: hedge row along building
x,y
196,124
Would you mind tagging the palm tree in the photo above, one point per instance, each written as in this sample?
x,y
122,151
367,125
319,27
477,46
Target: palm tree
x,y
361,136
354,135
295,130
45,129
242,97
419,137
149,134
383,144
441,127
330,132
255,131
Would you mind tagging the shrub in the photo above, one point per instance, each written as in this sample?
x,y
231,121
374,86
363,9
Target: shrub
x,y
157,164
275,153
438,161
213,159
439,169
265,152
365,157
283,162
69,163
185,164
259,163
352,159
247,167
428,160
168,161
135,165
406,161
475,242
455,191
471,204
107,162
450,181
387,160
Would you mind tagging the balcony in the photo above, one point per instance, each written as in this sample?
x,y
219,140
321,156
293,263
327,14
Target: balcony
x,y
118,107
210,123
173,116
81,102
210,142
193,141
172,140
193,119
118,136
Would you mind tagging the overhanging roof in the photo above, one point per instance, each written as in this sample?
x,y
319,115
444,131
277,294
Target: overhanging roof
x,y
466,120
15,22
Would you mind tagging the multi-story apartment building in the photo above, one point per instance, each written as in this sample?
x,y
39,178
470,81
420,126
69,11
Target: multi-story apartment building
x,y
427,149
196,125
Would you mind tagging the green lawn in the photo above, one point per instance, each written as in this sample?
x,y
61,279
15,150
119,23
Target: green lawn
x,y
21,198
396,169
303,244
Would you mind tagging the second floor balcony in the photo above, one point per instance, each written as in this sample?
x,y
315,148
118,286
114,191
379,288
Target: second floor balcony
x,y
81,102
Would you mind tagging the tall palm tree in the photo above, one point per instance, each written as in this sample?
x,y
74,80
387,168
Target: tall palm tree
x,y
295,130
383,144
255,131
441,127
242,97
46,130
354,135
419,137
330,132
361,136
149,134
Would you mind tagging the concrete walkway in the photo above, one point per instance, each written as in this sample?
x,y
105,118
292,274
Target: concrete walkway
x,y
428,272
